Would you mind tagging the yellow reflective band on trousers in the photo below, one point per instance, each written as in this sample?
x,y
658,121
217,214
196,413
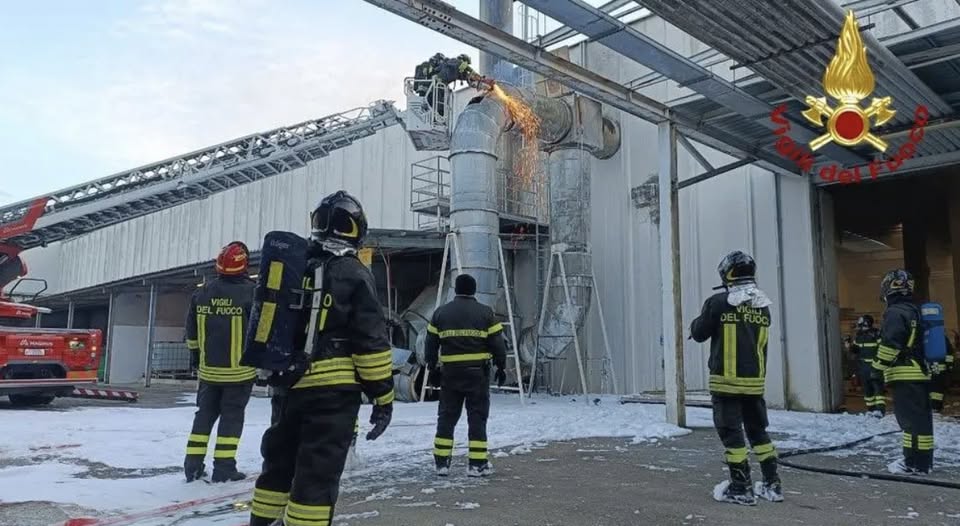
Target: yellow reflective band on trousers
x,y
197,444
236,340
306,515
375,366
268,504
736,455
327,372
443,447
478,450
469,357
923,442
761,345
729,350
764,451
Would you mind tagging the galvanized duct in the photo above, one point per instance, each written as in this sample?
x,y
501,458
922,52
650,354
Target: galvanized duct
x,y
474,211
569,172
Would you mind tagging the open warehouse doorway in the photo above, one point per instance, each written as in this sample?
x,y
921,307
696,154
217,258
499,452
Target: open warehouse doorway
x,y
871,228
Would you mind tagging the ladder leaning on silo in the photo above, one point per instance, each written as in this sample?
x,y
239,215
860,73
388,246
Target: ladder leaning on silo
x,y
557,252
451,239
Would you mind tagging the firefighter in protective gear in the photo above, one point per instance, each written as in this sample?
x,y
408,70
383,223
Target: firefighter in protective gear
x,y
215,326
939,372
737,323
865,345
463,337
313,422
445,71
900,357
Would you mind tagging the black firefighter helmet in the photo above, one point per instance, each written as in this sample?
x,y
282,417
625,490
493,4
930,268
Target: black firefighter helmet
x,y
897,282
339,216
737,267
865,322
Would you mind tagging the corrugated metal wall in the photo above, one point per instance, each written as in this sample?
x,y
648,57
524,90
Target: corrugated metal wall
x,y
376,170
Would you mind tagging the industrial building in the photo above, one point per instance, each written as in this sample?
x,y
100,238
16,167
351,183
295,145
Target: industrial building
x,y
677,94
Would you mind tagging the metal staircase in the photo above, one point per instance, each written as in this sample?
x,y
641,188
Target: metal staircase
x,y
87,207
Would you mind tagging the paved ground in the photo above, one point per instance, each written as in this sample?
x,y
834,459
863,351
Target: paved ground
x,y
608,482
593,482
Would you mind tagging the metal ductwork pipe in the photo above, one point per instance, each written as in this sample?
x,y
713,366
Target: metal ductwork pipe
x,y
569,172
499,14
473,201
474,210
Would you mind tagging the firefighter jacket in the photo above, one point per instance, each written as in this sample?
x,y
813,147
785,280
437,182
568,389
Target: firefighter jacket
x,y
738,345
216,324
464,333
865,344
900,353
351,351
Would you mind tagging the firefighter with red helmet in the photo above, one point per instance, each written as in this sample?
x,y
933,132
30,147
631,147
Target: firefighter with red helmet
x,y
216,323
346,352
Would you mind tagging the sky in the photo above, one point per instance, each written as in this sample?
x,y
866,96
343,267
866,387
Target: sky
x,y
89,89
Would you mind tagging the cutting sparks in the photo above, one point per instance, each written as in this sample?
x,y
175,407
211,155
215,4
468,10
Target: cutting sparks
x,y
528,158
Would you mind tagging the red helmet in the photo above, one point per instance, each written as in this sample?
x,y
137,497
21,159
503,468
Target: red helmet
x,y
232,260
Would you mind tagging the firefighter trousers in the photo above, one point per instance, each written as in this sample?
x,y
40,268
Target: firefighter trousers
x,y
734,414
911,401
227,402
461,386
938,387
304,451
874,394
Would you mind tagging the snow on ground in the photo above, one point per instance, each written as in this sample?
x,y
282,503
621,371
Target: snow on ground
x,y
51,455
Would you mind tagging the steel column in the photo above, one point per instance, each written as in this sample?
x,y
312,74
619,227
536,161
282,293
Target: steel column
x,y
672,329
709,174
70,315
151,326
106,345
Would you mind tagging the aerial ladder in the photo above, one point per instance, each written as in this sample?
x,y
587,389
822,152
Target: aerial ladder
x,y
90,206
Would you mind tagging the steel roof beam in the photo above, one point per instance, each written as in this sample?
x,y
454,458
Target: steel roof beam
x,y
914,164
614,34
921,33
447,20
562,33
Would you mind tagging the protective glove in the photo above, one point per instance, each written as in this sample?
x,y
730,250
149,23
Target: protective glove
x,y
380,418
436,376
500,376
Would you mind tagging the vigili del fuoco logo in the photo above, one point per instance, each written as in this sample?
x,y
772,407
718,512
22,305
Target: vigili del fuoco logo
x,y
848,80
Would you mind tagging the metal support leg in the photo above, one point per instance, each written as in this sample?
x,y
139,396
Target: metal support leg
x,y
151,325
70,315
450,239
543,314
573,329
603,329
513,329
670,276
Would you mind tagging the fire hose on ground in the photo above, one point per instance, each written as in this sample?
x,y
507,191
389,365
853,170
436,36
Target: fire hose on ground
x,y
910,479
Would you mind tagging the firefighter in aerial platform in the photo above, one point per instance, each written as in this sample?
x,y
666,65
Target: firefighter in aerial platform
x,y
314,408
215,327
865,347
901,358
463,337
446,71
737,323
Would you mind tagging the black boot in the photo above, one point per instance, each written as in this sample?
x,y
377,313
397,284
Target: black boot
x,y
193,467
739,490
770,488
443,465
260,521
226,471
